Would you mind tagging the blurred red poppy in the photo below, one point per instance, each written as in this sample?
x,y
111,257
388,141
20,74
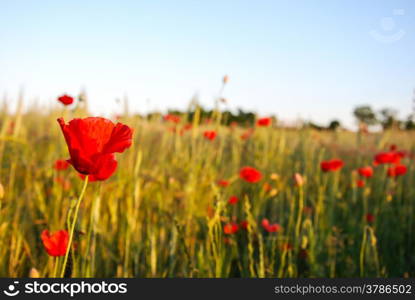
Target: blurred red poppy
x,y
187,127
270,227
230,228
273,228
397,170
56,243
370,218
390,157
265,222
264,122
61,165
250,174
210,135
223,183
65,99
332,165
244,224
366,171
233,200
172,118
360,183
92,142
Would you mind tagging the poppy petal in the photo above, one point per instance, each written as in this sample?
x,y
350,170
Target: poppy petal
x,y
121,139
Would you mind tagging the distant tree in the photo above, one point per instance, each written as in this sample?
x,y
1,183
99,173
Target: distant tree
x,y
409,124
334,125
314,126
365,114
242,118
388,118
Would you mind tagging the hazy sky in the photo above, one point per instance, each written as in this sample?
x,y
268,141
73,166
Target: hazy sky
x,y
311,59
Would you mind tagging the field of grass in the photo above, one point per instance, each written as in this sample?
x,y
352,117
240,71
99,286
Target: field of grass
x,y
163,213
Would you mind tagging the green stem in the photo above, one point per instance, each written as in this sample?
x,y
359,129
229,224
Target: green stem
x,y
55,268
300,214
72,229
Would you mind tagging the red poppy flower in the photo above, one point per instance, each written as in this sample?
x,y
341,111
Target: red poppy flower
x,y
270,227
370,218
65,99
172,118
403,154
244,224
397,170
223,183
92,142
250,174
332,165
390,157
61,165
264,122
366,171
274,227
393,147
230,228
187,127
55,244
210,135
265,222
360,183
233,200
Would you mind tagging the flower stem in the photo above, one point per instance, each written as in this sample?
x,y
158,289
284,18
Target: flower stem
x,y
55,268
72,228
300,213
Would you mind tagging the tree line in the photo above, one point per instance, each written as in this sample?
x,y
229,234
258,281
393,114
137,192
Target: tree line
x,y
365,116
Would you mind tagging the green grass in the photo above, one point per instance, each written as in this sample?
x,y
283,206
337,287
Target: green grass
x,y
150,219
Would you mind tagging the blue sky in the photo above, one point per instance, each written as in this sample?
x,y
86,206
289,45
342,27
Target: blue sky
x,y
310,59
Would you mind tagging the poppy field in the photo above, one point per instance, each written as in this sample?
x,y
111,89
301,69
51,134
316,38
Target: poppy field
x,y
171,196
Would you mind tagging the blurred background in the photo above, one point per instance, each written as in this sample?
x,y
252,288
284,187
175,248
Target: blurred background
x,y
309,60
